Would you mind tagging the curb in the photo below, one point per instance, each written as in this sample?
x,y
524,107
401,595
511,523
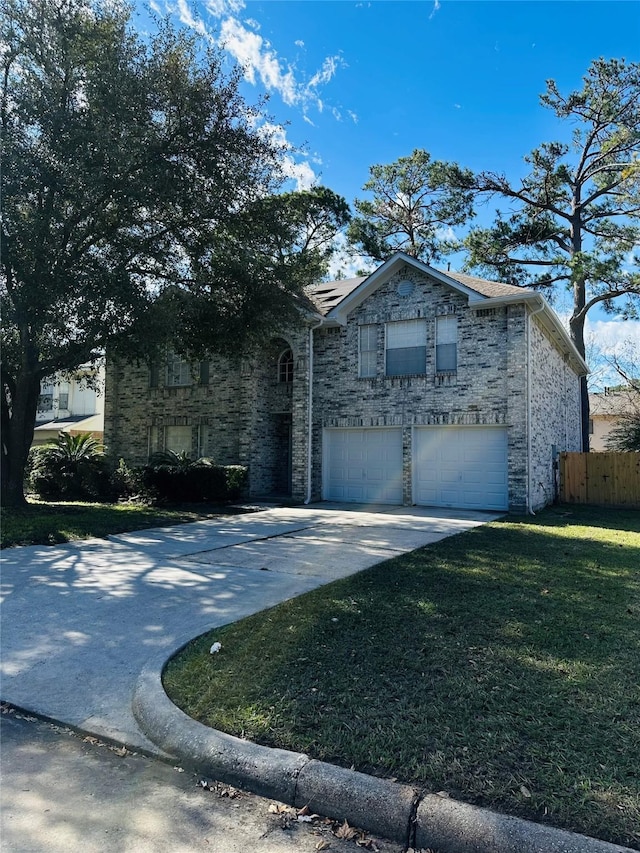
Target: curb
x,y
389,809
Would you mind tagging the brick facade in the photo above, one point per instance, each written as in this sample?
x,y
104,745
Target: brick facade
x,y
509,373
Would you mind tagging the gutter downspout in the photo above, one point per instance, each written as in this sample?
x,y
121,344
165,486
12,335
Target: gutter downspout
x,y
530,316
307,500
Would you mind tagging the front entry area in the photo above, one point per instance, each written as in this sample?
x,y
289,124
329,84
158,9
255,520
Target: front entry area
x,y
457,466
363,465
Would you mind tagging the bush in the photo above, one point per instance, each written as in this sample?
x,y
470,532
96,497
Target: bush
x,y
73,467
174,478
127,484
237,477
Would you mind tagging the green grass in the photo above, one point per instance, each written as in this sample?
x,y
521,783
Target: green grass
x,y
43,523
501,666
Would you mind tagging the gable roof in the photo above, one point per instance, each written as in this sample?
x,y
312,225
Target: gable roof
x,y
334,297
335,300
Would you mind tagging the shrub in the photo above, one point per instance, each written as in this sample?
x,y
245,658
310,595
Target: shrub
x,y
128,484
175,478
237,477
73,467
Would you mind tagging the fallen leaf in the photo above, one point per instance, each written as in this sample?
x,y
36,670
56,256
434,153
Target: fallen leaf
x,y
345,831
525,791
280,808
322,845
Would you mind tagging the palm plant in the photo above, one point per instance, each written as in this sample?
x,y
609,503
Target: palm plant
x,y
72,466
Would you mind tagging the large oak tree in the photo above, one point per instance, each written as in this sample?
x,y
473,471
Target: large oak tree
x,y
139,204
574,219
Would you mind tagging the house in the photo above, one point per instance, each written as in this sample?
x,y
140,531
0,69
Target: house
x,y
606,410
407,386
71,403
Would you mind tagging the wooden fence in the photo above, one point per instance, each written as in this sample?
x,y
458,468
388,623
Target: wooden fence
x,y
601,479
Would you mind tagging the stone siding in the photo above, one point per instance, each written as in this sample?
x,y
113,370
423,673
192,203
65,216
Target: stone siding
x,y
137,414
555,413
488,388
245,415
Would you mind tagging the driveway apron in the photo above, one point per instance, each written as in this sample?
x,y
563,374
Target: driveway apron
x,y
79,621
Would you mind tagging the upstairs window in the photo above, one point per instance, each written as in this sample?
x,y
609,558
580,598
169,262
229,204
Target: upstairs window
x,y
446,344
368,349
285,366
406,347
178,370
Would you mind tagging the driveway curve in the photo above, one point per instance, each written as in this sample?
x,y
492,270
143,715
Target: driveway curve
x,y
79,621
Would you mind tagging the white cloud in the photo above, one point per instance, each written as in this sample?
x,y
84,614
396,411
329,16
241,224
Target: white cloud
x,y
254,54
605,340
326,73
296,170
258,58
300,172
614,336
436,8
344,263
220,8
186,17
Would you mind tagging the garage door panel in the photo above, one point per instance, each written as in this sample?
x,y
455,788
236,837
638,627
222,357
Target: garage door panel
x,y
461,467
363,465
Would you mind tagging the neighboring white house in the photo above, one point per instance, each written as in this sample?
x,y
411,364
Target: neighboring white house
x,y
73,404
605,411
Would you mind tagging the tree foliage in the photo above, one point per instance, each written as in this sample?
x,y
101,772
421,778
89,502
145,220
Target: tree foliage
x,y
138,203
625,435
416,201
574,219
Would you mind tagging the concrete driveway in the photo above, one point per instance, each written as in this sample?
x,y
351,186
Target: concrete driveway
x,y
79,621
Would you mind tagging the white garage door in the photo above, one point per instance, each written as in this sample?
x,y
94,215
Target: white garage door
x,y
461,467
363,465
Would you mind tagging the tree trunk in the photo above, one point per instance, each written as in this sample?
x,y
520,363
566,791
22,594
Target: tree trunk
x,y
19,418
576,325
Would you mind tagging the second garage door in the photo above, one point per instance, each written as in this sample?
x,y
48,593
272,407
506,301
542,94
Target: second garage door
x,y
461,467
363,465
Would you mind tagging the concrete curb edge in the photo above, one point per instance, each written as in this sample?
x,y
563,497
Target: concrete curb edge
x,y
380,806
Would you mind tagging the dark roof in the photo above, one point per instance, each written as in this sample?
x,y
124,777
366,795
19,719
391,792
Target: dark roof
x,y
486,288
328,294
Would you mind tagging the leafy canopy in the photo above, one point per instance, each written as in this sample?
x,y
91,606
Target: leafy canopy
x,y
139,202
416,201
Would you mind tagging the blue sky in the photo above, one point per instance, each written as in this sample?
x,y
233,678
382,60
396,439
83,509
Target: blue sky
x,y
358,82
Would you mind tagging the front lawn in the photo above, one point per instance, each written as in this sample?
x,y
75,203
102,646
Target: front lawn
x,y
45,523
501,666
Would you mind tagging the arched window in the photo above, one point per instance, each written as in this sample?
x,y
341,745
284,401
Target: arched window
x,y
285,366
